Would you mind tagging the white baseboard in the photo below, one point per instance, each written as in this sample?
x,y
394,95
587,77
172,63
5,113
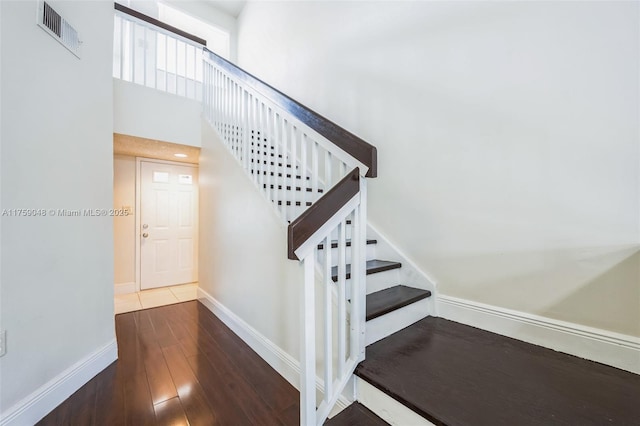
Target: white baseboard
x,y
618,350
287,366
125,288
38,404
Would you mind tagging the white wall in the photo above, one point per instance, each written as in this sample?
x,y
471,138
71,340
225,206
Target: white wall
x,y
152,114
124,227
507,135
56,132
243,249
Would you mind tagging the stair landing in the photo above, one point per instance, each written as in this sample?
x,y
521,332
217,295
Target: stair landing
x,y
458,375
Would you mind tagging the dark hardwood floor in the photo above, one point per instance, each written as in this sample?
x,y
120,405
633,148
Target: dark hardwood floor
x,y
356,415
180,365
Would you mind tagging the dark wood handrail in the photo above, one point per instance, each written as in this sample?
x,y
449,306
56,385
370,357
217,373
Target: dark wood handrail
x,y
321,211
348,142
157,23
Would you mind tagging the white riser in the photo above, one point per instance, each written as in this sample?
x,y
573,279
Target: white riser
x,y
381,327
386,407
383,280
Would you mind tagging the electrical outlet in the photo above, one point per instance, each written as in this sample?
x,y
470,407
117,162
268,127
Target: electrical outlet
x,y
3,342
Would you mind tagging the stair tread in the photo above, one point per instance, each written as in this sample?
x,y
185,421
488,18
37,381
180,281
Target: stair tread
x,y
279,174
356,415
288,188
373,267
454,374
384,301
334,243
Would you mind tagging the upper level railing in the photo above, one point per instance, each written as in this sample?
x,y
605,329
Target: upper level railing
x,y
153,54
311,170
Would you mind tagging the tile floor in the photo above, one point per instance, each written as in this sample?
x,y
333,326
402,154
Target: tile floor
x,y
156,297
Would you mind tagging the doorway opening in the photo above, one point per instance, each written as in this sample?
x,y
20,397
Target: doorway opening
x,y
156,236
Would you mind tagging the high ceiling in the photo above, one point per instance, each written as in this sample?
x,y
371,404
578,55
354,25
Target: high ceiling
x,y
232,7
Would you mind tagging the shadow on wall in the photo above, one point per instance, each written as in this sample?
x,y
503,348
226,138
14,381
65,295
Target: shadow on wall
x,y
594,286
613,296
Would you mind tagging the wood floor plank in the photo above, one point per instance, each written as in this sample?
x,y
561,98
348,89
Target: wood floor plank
x,y
250,401
82,409
138,406
61,416
164,334
161,384
109,404
170,412
223,403
355,415
142,321
290,416
190,391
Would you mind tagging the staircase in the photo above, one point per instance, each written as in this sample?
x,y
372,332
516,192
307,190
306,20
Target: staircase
x,y
418,369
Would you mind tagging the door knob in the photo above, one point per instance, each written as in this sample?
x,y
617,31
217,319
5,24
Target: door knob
x,y
145,226
145,235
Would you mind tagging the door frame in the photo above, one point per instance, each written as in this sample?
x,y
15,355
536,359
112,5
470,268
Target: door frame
x,y
138,216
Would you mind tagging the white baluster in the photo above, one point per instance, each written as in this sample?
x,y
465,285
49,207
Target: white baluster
x,y
166,63
175,68
342,298
314,170
277,193
303,170
122,53
260,157
144,59
294,181
234,119
327,170
285,159
267,155
361,256
328,320
254,149
245,130
132,42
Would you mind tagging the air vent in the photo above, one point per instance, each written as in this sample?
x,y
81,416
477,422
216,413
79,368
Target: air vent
x,y
58,27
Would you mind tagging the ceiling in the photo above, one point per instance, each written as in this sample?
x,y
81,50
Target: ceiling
x,y
232,7
149,148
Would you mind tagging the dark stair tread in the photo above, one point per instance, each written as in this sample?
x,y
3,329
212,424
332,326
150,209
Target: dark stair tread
x,y
263,145
308,203
356,415
266,153
454,374
348,221
271,163
388,300
373,267
279,174
288,188
334,243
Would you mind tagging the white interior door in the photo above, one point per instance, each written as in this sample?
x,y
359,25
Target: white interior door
x,y
169,224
